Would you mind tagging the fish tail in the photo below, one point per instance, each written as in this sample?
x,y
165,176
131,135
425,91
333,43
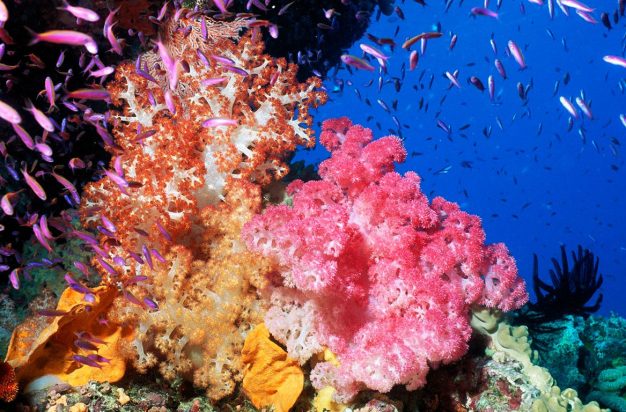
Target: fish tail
x,y
33,33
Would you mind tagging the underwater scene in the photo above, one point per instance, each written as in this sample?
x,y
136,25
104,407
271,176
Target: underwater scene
x,y
312,205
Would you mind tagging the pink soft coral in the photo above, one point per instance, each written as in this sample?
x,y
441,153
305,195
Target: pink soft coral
x,y
372,271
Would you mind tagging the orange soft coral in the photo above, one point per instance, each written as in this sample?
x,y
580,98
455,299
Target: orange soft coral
x,y
207,301
175,165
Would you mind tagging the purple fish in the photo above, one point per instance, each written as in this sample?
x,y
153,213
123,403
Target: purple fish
x,y
86,361
89,94
480,11
150,303
34,185
517,54
219,121
356,62
9,114
70,37
81,13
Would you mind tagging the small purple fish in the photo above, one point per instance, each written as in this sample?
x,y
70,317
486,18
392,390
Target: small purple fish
x,y
219,121
106,266
81,13
89,94
40,117
132,299
51,312
500,68
491,84
213,81
584,107
373,51
453,79
34,185
480,11
615,60
103,72
517,54
356,62
147,256
576,5
72,38
68,186
24,136
14,278
150,303
86,361
164,232
9,114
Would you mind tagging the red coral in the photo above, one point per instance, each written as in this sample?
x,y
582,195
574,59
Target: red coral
x,y
374,272
8,384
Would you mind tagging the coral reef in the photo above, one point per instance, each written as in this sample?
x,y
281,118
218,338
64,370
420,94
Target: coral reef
x,y
70,344
169,184
579,349
610,388
362,255
513,359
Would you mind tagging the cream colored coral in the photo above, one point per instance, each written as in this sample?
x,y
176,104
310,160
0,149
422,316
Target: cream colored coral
x,y
556,400
122,397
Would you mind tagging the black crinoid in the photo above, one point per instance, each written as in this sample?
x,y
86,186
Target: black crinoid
x,y
571,289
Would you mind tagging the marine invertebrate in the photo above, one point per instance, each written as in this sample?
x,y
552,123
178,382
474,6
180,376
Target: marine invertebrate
x,y
176,166
570,290
368,268
202,124
271,378
202,301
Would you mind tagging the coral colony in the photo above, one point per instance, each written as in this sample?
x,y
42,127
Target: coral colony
x,y
145,147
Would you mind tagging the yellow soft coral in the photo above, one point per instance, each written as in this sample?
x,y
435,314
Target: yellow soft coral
x,y
271,378
35,352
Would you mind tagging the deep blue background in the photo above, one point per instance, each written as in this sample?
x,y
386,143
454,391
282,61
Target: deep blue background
x,y
533,192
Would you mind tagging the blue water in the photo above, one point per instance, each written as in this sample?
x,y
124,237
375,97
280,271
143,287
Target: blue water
x,y
533,191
